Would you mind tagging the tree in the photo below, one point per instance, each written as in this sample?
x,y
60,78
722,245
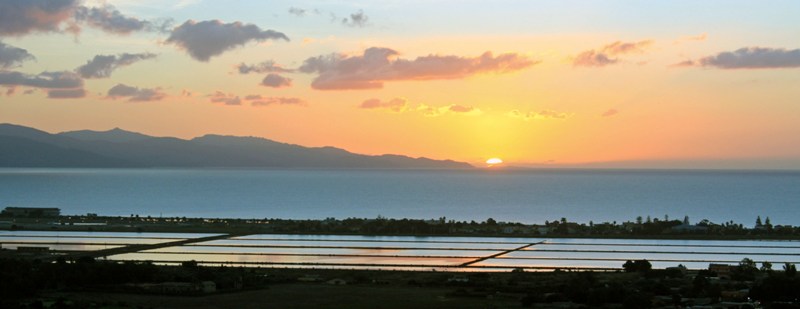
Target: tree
x,y
766,266
629,267
758,221
686,220
789,269
637,266
639,220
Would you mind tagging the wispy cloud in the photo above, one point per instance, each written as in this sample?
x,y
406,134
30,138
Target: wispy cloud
x,y
396,105
357,19
609,54
48,80
749,58
268,66
206,39
109,19
692,38
11,57
101,66
135,94
540,115
261,101
298,11
610,113
432,111
224,98
400,105
66,93
378,65
276,81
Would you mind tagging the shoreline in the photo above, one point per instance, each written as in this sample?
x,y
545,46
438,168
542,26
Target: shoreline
x,y
664,230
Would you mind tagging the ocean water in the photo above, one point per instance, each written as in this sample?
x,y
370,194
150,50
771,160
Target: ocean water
x,y
528,196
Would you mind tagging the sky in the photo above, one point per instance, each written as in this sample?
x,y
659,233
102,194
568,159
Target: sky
x,y
661,84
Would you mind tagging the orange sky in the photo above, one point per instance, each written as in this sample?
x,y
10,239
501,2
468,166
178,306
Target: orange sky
x,y
566,84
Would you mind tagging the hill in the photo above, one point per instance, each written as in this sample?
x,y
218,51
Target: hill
x,y
28,147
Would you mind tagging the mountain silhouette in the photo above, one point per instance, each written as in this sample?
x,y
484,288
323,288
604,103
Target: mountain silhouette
x,y
28,147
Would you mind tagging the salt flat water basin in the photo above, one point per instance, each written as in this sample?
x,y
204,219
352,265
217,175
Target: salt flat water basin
x,y
87,241
410,252
527,196
465,253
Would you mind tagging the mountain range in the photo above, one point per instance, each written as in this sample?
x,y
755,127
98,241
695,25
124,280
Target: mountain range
x,y
28,147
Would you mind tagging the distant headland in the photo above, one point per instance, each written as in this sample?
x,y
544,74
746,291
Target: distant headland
x,y
28,147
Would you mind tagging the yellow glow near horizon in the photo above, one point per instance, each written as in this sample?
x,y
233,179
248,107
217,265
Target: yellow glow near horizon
x,y
494,161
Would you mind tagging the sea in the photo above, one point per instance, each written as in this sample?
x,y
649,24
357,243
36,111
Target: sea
x,y
515,195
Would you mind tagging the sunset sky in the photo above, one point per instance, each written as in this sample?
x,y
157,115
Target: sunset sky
x,y
536,83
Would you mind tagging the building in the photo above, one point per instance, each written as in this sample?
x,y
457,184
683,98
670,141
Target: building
x,y
722,270
33,250
31,212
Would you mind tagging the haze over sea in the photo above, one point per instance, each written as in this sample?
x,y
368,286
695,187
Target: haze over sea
x,y
528,196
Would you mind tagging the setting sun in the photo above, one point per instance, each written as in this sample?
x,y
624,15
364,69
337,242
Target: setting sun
x,y
494,161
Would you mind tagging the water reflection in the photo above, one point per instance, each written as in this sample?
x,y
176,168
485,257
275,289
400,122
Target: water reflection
x,y
408,252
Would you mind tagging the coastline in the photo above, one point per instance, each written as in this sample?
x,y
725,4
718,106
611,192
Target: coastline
x,y
365,227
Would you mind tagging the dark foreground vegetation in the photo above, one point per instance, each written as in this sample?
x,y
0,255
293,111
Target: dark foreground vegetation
x,y
86,283
639,228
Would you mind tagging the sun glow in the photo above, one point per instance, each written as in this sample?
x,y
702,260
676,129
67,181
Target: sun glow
x,y
494,161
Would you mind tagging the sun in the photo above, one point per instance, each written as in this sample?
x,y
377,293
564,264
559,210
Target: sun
x,y
494,161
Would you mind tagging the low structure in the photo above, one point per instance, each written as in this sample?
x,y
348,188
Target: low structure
x,y
722,270
178,288
31,212
33,250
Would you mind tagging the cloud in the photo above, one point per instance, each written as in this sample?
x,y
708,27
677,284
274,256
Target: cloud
x,y
206,39
541,115
268,66
135,94
102,66
591,58
297,11
258,100
50,80
606,55
610,113
699,37
378,65
11,57
109,19
357,19
396,105
227,99
432,111
620,48
276,81
20,17
66,93
749,58
400,104
463,109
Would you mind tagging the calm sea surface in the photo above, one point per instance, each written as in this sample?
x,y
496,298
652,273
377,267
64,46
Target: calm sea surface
x,y
530,196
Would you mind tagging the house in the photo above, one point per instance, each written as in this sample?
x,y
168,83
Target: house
x,y
685,227
722,270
